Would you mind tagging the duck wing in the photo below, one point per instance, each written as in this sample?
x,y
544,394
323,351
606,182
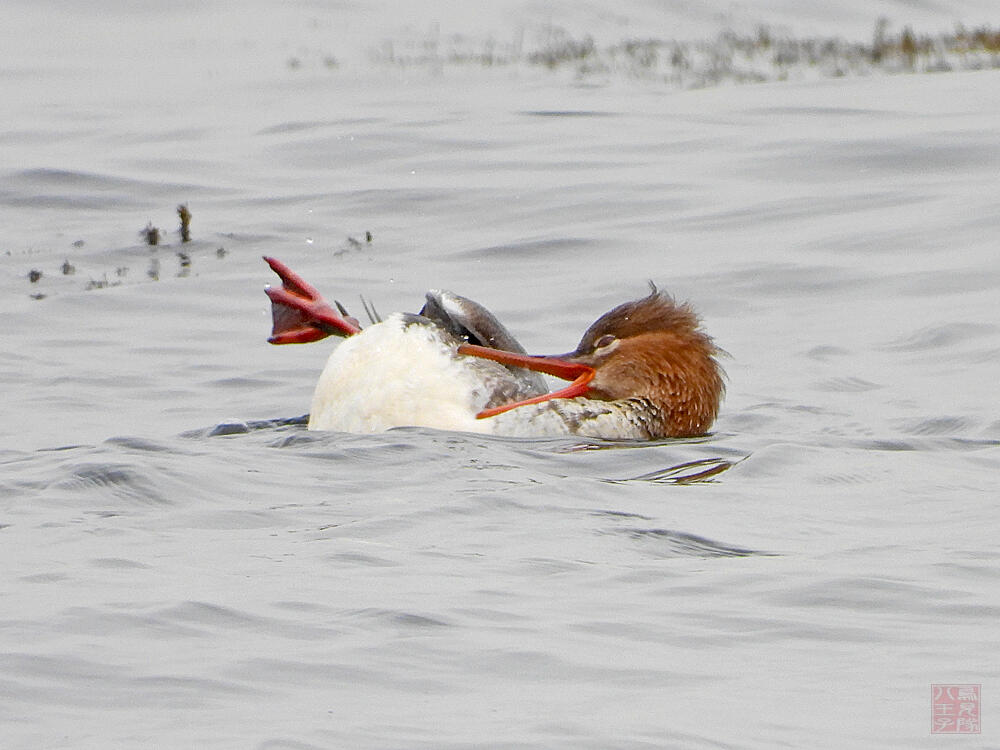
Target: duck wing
x,y
471,322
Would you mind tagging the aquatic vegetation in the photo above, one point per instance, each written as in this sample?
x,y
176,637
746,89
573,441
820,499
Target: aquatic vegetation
x,y
763,54
561,49
102,283
185,216
153,237
352,244
150,234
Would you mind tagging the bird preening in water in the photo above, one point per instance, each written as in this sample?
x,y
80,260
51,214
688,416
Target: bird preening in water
x,y
644,370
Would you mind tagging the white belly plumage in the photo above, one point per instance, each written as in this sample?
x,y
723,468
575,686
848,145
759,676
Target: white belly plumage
x,y
402,373
395,374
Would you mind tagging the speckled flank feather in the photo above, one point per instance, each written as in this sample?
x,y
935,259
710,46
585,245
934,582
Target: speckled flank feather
x,y
585,417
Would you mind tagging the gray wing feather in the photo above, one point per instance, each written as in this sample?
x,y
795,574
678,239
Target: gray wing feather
x,y
470,321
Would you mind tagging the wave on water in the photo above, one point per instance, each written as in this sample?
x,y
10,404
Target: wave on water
x,y
182,569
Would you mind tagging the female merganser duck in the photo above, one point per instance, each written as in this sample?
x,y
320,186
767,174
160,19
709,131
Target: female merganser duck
x,y
643,371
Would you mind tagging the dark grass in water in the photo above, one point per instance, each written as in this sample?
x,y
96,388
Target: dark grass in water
x,y
151,254
766,54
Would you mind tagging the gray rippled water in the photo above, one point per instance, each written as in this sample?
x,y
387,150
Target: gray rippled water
x,y
185,565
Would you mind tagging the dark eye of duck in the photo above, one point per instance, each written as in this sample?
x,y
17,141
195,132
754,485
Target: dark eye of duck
x,y
605,340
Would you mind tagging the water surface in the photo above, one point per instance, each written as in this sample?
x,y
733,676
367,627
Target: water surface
x,y
184,565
